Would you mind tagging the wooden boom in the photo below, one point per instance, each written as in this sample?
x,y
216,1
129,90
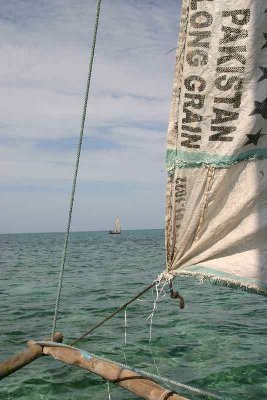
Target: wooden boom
x,y
26,357
137,384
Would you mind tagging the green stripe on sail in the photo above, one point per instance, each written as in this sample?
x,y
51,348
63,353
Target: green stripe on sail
x,y
219,277
186,159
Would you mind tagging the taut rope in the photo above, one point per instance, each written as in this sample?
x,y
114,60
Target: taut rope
x,y
113,314
76,168
173,294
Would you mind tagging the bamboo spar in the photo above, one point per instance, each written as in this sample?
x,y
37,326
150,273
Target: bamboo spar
x,y
144,388
26,357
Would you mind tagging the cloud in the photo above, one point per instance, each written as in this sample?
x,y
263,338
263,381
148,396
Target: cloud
x,y
44,58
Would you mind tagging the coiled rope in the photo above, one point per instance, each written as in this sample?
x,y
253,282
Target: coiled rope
x,y
79,146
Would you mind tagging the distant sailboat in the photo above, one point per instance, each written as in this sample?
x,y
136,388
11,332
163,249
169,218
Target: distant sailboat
x,y
117,229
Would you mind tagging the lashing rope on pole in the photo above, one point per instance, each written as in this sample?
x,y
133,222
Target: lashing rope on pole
x,y
79,147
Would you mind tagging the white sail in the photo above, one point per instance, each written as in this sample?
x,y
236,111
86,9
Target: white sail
x,y
117,225
216,212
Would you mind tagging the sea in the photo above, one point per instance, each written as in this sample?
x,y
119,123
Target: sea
x,y
218,343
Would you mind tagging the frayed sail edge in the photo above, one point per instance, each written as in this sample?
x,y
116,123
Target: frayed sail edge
x,y
204,277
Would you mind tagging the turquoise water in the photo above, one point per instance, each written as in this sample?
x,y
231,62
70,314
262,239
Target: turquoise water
x,y
217,343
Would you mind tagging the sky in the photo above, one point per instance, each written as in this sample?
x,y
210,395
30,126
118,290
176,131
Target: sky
x,y
45,47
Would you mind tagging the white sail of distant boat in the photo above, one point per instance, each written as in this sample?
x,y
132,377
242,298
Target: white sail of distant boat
x,y
117,225
117,229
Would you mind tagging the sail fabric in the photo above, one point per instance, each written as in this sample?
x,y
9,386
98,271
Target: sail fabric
x,y
216,209
117,226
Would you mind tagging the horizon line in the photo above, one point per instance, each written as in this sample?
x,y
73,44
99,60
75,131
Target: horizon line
x,y
82,231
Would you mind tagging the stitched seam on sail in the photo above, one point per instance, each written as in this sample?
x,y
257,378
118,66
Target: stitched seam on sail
x,y
209,182
184,159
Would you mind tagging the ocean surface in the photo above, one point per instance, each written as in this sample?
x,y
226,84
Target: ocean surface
x,y
217,343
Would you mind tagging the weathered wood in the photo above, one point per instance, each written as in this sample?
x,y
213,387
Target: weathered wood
x,y
137,384
32,353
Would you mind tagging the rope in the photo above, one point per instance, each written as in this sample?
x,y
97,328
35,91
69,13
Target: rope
x,y
109,394
79,146
113,314
156,282
130,378
125,335
158,293
169,394
145,374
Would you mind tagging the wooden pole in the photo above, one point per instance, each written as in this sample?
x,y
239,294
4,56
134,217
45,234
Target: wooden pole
x,y
26,357
137,384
